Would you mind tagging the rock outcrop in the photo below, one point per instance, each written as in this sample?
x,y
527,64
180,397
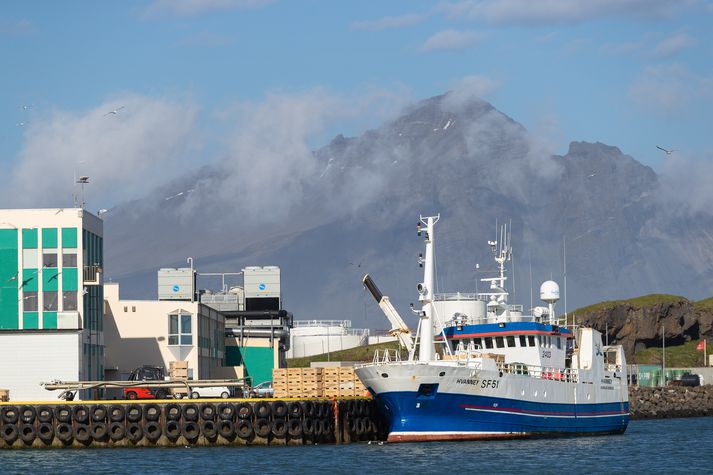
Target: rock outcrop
x,y
661,403
640,323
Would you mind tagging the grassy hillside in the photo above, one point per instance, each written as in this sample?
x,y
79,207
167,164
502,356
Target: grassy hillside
x,y
637,302
360,353
680,356
706,304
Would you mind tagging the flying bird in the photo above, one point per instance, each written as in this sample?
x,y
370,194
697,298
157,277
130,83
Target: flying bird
x,y
592,175
668,152
114,112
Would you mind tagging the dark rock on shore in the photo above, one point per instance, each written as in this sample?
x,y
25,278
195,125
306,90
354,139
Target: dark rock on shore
x,y
668,402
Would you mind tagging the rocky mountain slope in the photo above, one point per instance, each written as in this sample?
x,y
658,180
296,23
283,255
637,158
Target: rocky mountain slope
x,y
352,206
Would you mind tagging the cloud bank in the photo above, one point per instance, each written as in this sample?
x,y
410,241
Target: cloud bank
x,y
450,40
389,22
185,8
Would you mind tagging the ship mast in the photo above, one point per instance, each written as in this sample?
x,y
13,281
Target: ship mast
x,y
425,292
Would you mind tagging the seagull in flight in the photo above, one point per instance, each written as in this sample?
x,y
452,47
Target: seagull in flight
x,y
114,112
668,152
592,175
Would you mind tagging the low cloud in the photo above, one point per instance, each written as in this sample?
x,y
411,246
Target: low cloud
x,y
389,22
185,8
685,184
673,44
562,11
450,40
147,142
206,39
17,28
464,91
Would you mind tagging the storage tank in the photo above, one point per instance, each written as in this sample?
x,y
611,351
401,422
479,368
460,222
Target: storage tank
x,y
447,305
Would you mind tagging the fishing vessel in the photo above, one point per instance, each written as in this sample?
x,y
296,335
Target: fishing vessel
x,y
479,367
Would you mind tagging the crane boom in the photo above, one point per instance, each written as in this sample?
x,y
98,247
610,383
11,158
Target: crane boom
x,y
398,326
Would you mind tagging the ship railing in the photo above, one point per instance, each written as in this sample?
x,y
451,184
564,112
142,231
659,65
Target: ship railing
x,y
387,356
565,375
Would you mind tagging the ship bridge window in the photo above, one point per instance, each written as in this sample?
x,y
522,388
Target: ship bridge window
x,y
531,340
559,343
523,341
511,341
500,342
488,342
478,342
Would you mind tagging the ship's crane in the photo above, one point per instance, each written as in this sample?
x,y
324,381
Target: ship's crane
x,y
399,329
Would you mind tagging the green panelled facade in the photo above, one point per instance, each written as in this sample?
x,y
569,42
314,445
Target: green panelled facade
x,y
258,361
9,277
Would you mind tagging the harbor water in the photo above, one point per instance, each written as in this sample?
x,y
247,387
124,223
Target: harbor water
x,y
654,446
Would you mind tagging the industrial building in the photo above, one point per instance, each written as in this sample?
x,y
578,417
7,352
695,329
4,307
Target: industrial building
x,y
226,334
314,337
50,298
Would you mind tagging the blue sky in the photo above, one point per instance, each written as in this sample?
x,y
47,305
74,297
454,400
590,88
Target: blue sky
x,y
191,74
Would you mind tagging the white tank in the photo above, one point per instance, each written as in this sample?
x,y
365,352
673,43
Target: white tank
x,y
549,291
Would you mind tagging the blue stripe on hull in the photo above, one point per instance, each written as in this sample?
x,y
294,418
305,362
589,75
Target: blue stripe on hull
x,y
461,413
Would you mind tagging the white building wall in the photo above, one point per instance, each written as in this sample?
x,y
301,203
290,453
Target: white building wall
x,y
32,358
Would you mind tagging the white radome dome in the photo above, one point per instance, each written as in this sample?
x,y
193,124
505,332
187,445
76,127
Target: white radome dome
x,y
549,291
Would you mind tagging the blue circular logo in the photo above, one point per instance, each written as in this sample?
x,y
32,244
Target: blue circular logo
x,y
261,287
176,288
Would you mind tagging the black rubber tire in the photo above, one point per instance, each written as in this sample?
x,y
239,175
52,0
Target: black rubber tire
x,y
99,430
161,394
152,412
363,408
28,414
326,409
98,413
152,431
327,429
117,431
308,426
80,414
190,430
262,410
190,412
207,411
308,409
172,412
45,414
134,432
294,410
279,409
262,427
45,432
172,429
226,411
244,411
318,410
63,414
209,430
117,413
134,413
279,428
360,427
244,429
81,433
64,432
9,433
226,429
27,433
351,423
294,428
350,407
9,414
318,427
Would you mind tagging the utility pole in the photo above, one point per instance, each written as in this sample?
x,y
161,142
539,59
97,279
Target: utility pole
x,y
663,360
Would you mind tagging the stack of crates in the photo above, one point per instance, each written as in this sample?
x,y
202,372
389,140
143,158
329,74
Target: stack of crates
x,y
178,370
294,382
312,385
330,382
279,382
4,395
346,382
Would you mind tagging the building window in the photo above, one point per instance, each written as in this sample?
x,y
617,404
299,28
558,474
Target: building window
x,y
69,259
50,300
133,308
179,329
49,259
29,258
30,301
126,309
69,300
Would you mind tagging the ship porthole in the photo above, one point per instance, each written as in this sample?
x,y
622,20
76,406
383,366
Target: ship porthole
x,y
522,392
544,394
534,392
384,375
442,373
589,396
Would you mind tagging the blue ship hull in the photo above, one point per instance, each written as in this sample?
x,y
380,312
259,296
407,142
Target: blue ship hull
x,y
448,416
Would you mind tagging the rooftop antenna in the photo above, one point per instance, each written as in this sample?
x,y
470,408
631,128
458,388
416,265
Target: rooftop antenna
x,y
564,255
82,180
531,301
